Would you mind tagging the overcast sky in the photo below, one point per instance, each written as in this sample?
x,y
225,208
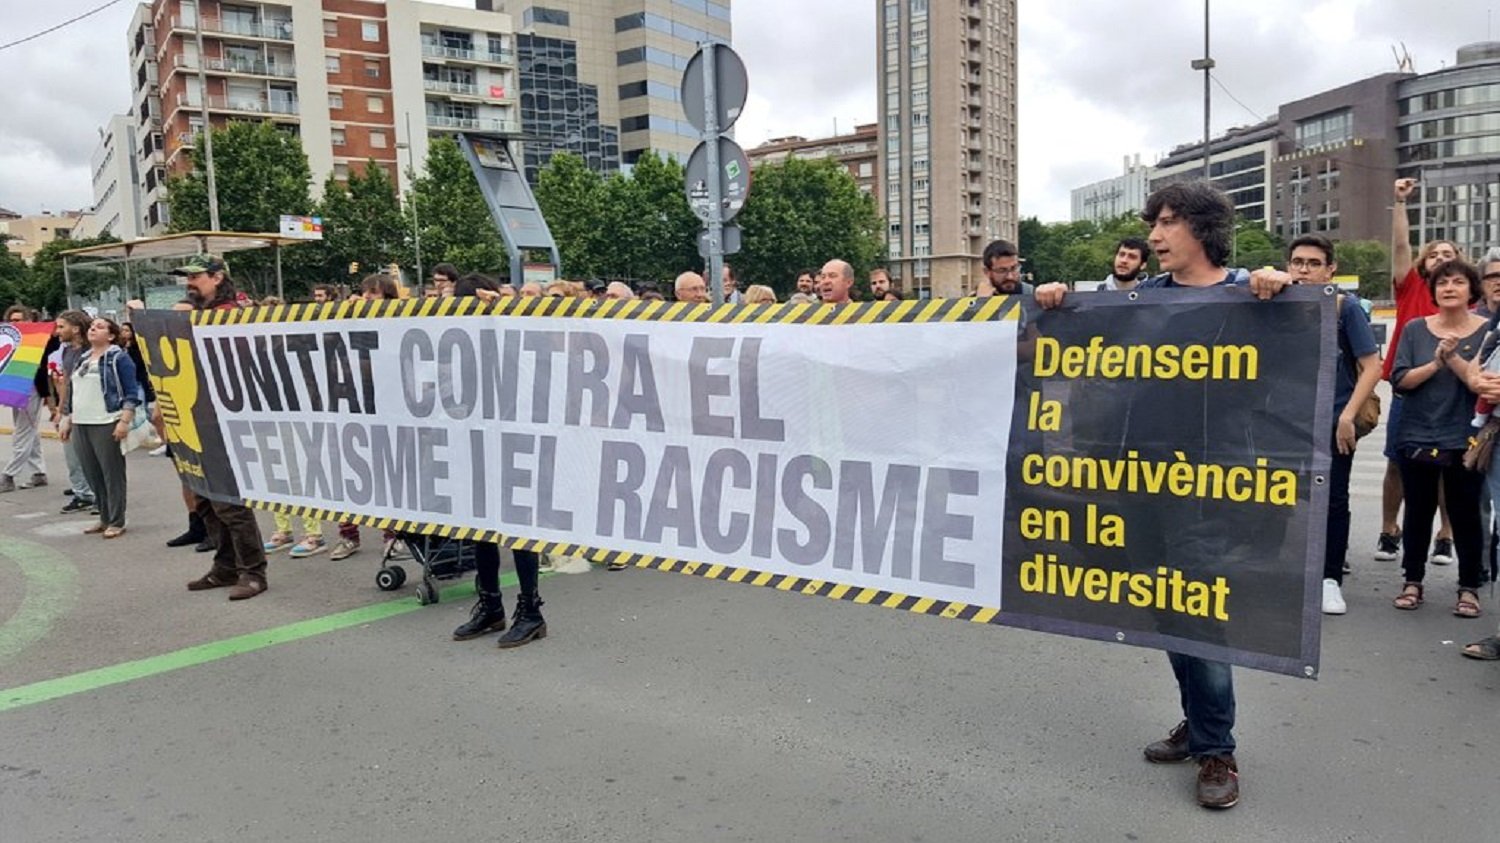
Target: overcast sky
x,y
1098,80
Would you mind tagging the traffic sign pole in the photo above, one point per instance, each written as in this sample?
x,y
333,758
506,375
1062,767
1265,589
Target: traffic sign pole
x,y
715,186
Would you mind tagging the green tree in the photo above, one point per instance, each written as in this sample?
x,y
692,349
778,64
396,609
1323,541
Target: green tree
x,y
12,275
44,285
571,199
456,224
801,214
1255,247
362,221
260,173
666,228
1371,261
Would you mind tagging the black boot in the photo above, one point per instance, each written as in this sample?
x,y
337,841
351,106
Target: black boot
x,y
206,545
488,615
195,532
529,623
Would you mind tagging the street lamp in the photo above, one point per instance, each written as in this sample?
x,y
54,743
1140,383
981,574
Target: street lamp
x,y
1205,64
416,228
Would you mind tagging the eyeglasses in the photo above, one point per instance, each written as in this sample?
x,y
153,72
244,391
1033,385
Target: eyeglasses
x,y
1003,272
1306,263
1491,276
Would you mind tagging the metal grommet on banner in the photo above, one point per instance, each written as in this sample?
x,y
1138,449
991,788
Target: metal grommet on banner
x,y
1319,479
1132,295
1329,290
1309,671
1119,636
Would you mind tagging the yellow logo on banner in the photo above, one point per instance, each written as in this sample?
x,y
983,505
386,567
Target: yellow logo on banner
x,y
174,376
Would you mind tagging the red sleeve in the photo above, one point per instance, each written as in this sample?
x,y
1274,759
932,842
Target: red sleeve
x,y
1413,301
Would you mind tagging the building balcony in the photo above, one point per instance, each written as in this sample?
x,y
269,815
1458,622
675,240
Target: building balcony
x,y
239,67
242,104
275,30
467,54
458,89
474,124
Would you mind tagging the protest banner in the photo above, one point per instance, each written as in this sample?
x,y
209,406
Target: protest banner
x,y
21,347
881,453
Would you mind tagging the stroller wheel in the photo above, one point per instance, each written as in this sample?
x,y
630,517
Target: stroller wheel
x,y
427,594
391,578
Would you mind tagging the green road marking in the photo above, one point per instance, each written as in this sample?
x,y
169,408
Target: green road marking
x,y
103,677
51,587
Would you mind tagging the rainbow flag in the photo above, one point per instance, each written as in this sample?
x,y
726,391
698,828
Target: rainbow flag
x,y
21,347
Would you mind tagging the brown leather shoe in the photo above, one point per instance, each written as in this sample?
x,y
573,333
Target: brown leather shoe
x,y
1173,749
247,588
1218,782
209,580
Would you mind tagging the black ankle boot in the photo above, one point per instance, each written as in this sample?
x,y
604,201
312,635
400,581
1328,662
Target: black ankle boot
x,y
195,532
488,615
529,623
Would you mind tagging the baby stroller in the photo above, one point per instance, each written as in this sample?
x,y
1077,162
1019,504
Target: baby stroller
x,y
441,559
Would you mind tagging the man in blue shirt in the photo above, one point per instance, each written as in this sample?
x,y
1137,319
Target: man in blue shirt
x,y
1192,226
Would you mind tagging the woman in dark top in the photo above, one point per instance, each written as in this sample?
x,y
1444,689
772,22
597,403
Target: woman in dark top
x,y
1431,374
488,614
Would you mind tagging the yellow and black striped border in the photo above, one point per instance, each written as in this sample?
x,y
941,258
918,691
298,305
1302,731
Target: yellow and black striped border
x,y
915,311
599,556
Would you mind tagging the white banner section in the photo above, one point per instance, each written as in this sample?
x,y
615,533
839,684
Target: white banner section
x,y
870,455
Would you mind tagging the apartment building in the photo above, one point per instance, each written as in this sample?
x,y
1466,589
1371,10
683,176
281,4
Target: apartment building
x,y
356,80
858,151
947,137
114,178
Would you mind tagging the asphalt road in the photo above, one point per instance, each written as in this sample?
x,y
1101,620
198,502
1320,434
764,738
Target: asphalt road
x,y
669,708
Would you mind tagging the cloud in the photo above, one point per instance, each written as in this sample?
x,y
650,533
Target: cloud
x,y
1098,80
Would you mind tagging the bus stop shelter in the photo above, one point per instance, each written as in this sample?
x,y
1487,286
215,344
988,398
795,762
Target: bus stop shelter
x,y
169,247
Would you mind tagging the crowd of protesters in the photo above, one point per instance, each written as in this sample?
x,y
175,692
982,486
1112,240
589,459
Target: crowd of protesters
x,y
1443,367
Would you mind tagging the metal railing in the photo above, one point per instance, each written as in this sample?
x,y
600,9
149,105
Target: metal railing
x,y
277,30
438,51
502,127
272,105
446,87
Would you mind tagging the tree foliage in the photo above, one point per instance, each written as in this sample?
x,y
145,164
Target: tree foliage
x,y
801,214
44,286
1371,261
456,224
636,227
362,222
12,275
260,173
1074,251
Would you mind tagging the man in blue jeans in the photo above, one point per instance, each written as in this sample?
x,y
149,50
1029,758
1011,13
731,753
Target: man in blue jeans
x,y
1192,225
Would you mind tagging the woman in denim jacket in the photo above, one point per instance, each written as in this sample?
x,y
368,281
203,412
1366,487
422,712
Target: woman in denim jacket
x,y
98,413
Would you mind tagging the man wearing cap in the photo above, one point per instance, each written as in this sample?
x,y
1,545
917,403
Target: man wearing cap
x,y
239,558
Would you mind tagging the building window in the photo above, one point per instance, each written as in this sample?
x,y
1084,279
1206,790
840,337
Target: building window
x,y
330,29
332,63
338,137
866,170
377,140
369,30
341,172
335,102
541,14
372,68
1329,128
375,105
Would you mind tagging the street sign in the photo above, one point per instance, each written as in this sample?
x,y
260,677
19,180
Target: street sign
x,y
733,178
730,240
302,228
732,83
